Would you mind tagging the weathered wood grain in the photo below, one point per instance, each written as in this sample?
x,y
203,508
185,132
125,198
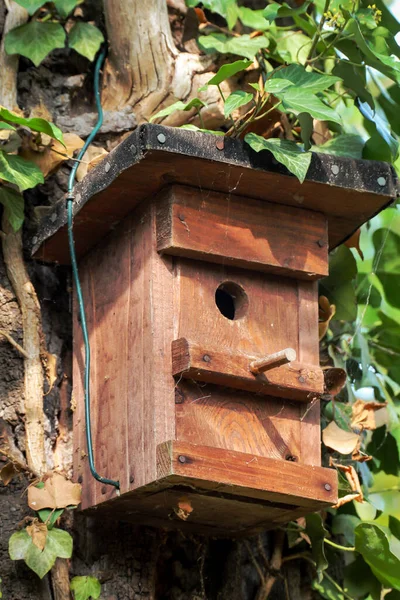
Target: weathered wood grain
x,y
242,232
294,381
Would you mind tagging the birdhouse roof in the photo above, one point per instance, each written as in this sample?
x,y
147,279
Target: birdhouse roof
x,y
348,191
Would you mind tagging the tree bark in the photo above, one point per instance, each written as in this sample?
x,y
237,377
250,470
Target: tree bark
x,y
9,63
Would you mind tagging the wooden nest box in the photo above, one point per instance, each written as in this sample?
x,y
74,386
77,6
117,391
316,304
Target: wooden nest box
x,y
199,263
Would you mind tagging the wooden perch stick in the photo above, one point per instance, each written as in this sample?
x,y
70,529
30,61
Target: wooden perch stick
x,y
273,360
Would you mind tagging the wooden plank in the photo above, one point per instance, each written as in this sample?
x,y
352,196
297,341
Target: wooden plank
x,y
208,415
246,475
242,232
293,381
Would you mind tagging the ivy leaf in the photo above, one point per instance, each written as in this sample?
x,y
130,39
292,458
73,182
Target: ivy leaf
x,y
85,588
297,100
253,18
60,542
273,86
316,532
327,589
64,7
354,78
380,552
226,8
275,10
50,516
13,203
31,5
229,70
86,39
35,124
35,40
293,47
191,127
285,151
243,45
306,80
347,144
194,103
22,173
236,100
18,544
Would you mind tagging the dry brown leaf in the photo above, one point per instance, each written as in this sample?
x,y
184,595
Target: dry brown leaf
x,y
52,156
184,508
345,499
50,367
38,533
354,242
90,159
352,478
58,492
364,414
335,380
345,442
8,473
326,313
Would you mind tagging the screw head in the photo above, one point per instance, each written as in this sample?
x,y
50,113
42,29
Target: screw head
x,y
207,358
182,459
107,167
321,243
328,487
104,489
161,138
133,149
302,379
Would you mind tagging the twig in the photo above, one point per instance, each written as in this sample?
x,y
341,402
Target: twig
x,y
14,343
274,567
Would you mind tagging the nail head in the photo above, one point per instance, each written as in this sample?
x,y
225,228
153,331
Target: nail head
x,y
327,487
182,459
161,138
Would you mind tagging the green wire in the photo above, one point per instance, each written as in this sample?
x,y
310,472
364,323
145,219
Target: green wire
x,y
81,304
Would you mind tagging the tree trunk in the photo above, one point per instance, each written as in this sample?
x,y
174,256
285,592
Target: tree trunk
x,y
16,16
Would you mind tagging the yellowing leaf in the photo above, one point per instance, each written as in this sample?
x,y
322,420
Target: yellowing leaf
x,y
52,156
38,533
345,442
57,492
90,159
364,414
8,473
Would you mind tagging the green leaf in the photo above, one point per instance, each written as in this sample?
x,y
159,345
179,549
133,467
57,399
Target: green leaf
x,y
380,553
339,286
40,561
191,127
236,100
194,103
275,10
64,7
35,40
4,125
306,80
18,544
285,151
22,173
273,86
382,127
359,579
85,588
242,45
307,126
60,542
293,47
86,39
50,516
347,144
354,79
297,100
345,525
327,589
253,18
394,526
31,5
35,124
226,8
316,531
229,70
13,203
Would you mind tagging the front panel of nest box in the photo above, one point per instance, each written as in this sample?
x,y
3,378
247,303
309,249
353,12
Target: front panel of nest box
x,y
245,296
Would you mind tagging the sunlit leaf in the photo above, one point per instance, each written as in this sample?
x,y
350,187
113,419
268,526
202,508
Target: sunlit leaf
x,y
85,588
229,70
297,100
275,10
31,5
243,45
35,40
20,172
306,80
194,103
236,100
18,544
35,124
86,39
253,18
346,144
285,151
380,553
